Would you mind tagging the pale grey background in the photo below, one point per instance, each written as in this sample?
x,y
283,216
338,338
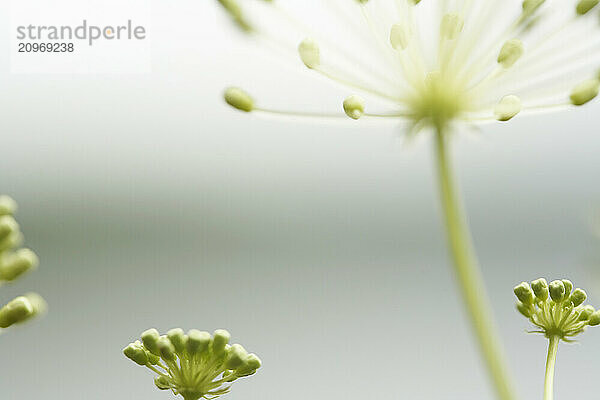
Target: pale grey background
x,y
318,245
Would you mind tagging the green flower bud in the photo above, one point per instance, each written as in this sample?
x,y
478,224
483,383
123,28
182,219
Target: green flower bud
x,y
11,241
586,312
540,288
8,226
557,291
136,354
17,310
507,108
354,106
524,293
525,310
220,340
309,52
585,6
239,99
510,53
568,287
162,383
250,366
7,205
197,342
578,297
594,319
236,357
15,265
585,92
150,340
178,338
166,349
39,304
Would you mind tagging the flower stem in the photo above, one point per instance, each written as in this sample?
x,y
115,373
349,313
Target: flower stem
x,y
469,276
550,363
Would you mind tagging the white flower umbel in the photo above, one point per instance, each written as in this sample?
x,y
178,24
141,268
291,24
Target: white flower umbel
x,y
434,64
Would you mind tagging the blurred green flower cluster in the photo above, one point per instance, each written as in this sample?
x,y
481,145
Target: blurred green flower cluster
x,y
14,262
194,365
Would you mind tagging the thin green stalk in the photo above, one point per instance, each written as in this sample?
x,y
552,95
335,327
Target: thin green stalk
x,y
550,363
469,276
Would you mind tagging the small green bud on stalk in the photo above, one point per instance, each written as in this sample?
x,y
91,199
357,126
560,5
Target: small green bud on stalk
x,y
585,6
14,265
21,309
178,338
510,53
540,288
568,288
162,383
524,293
8,226
197,342
354,106
585,92
507,108
578,297
236,357
250,366
220,340
7,205
594,319
239,99
530,6
525,310
232,7
150,340
557,291
11,241
136,354
166,349
586,312
310,53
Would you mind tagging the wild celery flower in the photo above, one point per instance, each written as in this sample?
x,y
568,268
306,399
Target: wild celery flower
x,y
14,263
194,365
558,312
434,64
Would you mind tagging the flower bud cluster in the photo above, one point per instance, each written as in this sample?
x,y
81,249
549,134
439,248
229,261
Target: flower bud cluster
x,y
194,365
556,308
14,263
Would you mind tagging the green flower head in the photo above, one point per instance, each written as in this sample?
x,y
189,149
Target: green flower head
x,y
555,308
194,365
